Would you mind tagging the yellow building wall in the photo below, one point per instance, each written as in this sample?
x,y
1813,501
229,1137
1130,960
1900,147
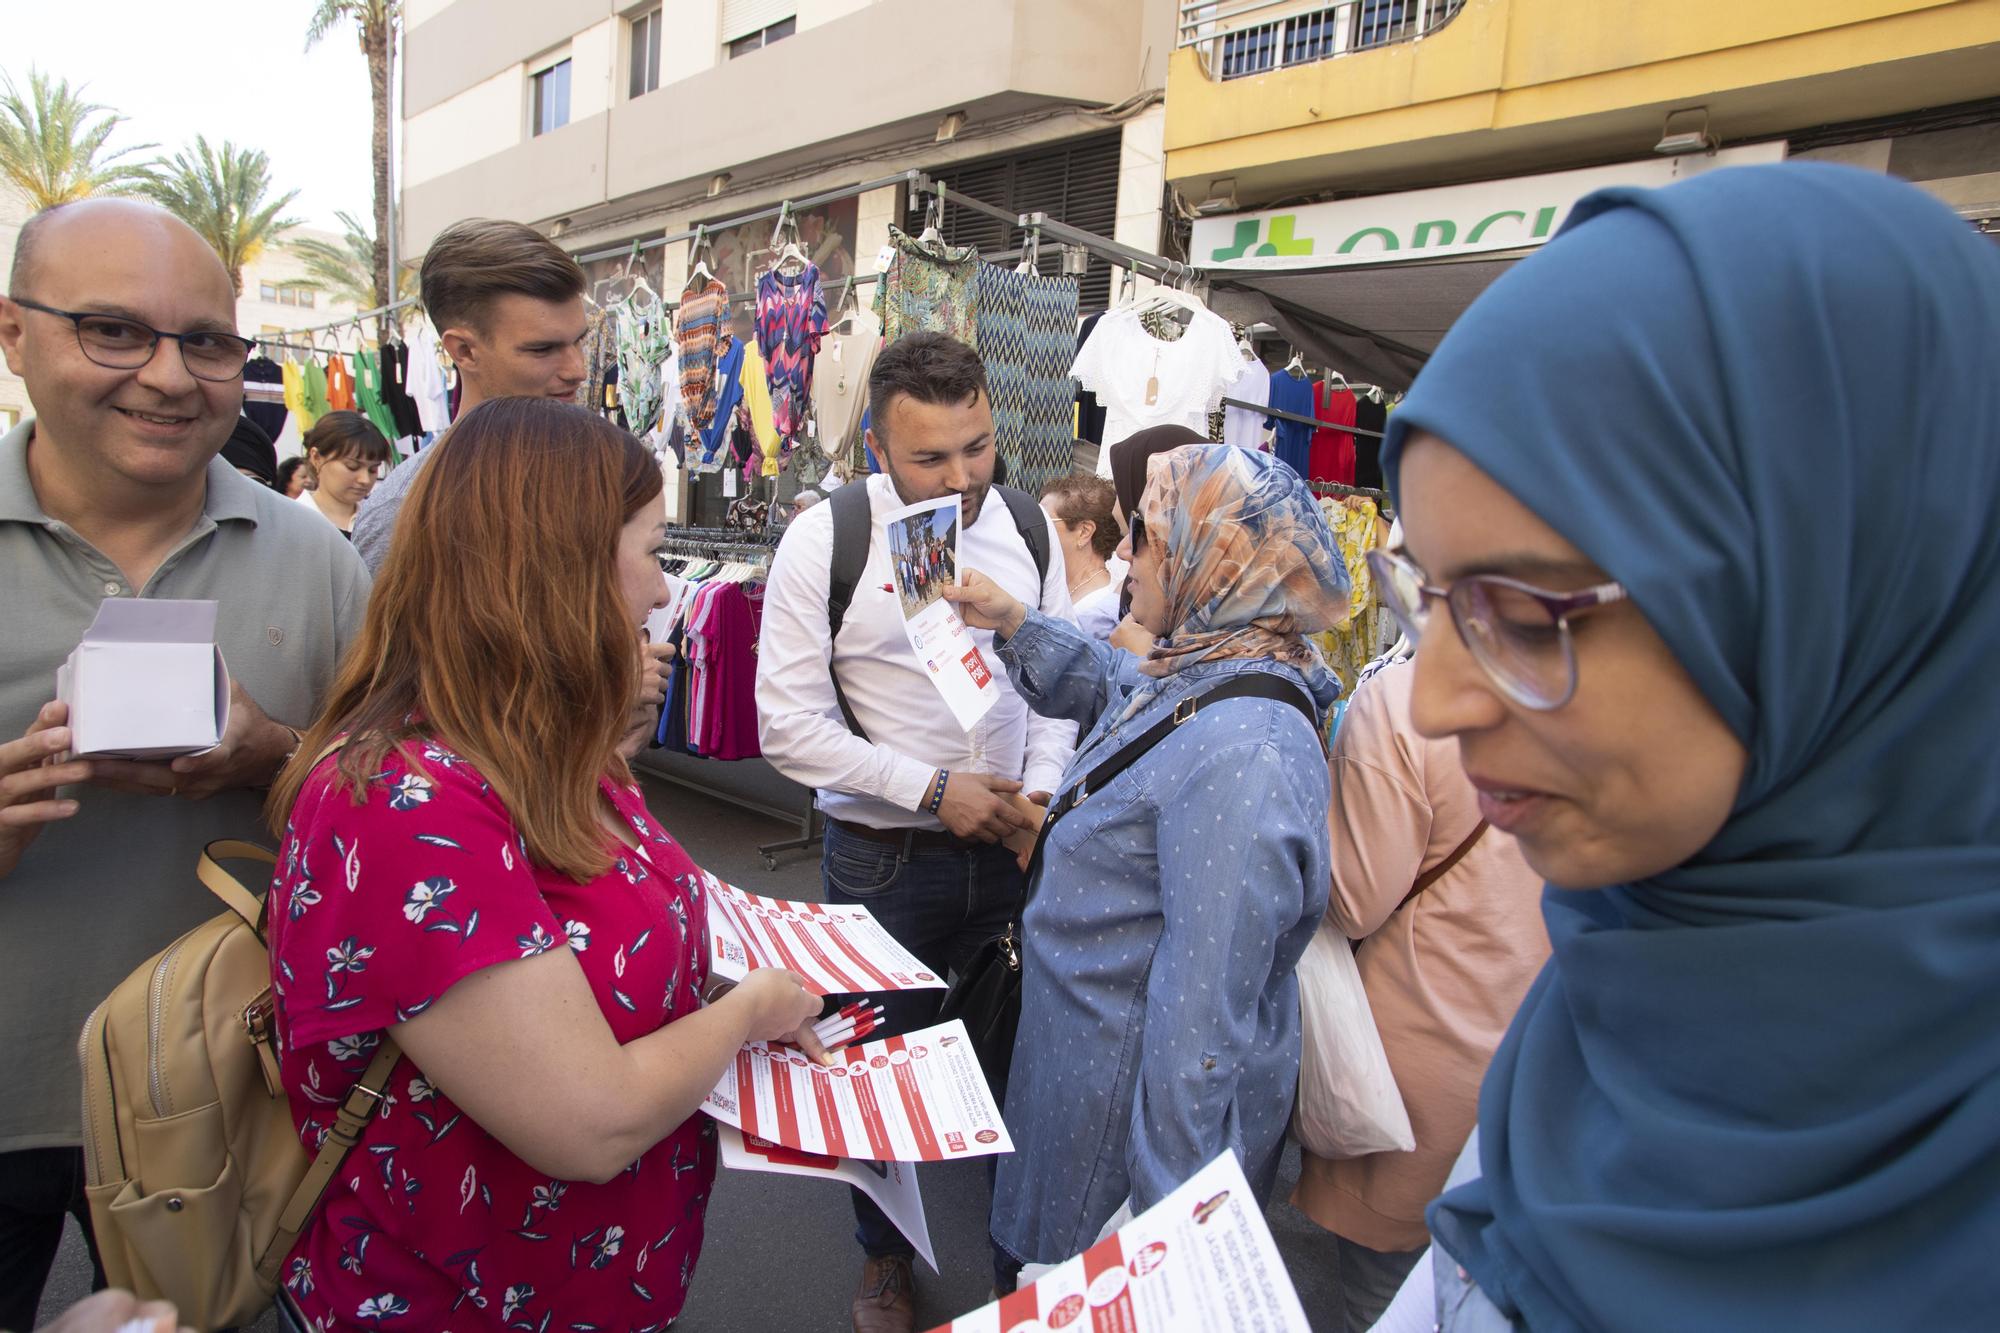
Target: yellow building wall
x,y
1534,81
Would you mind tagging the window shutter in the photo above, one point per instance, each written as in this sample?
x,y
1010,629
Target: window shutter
x,y
740,18
1074,182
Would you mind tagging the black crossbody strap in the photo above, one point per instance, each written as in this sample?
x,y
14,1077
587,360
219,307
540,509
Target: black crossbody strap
x,y
1245,685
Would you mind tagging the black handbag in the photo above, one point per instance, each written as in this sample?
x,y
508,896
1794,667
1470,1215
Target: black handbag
x,y
986,994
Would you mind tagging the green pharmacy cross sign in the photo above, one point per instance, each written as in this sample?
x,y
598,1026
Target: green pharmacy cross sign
x,y
1282,240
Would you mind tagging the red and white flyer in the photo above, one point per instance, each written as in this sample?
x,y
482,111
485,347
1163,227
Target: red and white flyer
x,y
836,948
892,1185
920,1097
923,556
1201,1260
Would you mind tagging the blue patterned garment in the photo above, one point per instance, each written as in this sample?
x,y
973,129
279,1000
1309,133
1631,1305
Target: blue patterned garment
x,y
1160,1016
1027,338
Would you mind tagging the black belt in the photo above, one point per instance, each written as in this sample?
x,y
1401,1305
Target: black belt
x,y
910,839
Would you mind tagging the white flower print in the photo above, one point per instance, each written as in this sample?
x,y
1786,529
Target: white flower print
x,y
512,1299
436,754
345,959
425,895
536,941
386,1306
411,790
300,1278
506,856
579,935
351,1048
608,1246
303,897
421,1089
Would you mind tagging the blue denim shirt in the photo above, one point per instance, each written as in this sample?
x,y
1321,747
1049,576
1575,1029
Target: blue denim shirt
x,y
1160,1017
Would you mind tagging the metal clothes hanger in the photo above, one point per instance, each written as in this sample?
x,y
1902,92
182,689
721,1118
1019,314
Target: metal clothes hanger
x,y
787,232
702,251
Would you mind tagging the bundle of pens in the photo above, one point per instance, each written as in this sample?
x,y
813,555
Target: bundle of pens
x,y
851,1023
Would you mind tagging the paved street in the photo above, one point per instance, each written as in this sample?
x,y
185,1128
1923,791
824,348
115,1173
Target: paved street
x,y
779,1255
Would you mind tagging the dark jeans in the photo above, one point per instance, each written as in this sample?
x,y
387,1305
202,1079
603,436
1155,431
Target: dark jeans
x,y
942,904
1369,1280
37,1187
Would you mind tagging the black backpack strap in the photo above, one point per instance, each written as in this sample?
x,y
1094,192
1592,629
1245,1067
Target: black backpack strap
x,y
1033,522
851,536
1244,685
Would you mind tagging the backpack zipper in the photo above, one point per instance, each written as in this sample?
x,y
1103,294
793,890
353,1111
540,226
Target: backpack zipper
x,y
155,1003
92,1030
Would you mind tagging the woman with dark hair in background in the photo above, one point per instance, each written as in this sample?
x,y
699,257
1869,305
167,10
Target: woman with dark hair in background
x,y
344,453
292,477
476,876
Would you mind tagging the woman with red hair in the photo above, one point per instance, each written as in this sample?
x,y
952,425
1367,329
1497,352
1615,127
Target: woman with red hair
x,y
476,876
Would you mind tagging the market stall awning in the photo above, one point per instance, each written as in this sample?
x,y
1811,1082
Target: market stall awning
x,y
1373,322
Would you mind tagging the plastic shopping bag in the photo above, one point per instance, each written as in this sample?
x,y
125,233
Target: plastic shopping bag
x,y
1349,1105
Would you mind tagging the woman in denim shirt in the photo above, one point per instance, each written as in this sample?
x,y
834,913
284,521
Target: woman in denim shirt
x,y
1159,1020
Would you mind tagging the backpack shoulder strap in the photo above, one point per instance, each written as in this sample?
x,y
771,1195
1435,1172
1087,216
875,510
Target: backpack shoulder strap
x,y
1034,526
849,505
358,1108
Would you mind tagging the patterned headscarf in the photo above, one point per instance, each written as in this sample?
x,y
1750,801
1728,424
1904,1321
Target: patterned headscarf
x,y
1250,568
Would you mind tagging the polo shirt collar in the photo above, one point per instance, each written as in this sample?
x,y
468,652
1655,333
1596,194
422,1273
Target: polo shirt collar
x,y
231,495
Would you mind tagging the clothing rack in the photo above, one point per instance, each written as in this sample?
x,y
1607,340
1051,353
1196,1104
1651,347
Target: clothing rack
x,y
912,178
1314,422
345,320
751,548
1336,488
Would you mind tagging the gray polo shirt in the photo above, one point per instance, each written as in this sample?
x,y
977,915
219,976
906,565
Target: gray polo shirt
x,y
97,894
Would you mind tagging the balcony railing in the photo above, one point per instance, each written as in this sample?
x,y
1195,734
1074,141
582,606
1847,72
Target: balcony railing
x,y
1238,38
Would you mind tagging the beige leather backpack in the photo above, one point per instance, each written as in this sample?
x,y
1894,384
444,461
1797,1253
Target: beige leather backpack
x,y
197,1184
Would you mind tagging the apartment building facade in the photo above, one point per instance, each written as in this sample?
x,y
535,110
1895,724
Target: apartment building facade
x,y
603,122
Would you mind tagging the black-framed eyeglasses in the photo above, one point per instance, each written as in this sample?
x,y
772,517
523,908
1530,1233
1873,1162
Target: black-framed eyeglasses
x,y
118,343
1518,633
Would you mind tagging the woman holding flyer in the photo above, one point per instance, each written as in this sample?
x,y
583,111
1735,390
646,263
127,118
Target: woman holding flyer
x,y
1185,864
475,877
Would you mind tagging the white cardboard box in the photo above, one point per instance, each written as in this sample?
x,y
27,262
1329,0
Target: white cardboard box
x,y
146,682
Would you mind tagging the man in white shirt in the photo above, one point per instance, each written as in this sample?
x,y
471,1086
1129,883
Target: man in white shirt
x,y
915,805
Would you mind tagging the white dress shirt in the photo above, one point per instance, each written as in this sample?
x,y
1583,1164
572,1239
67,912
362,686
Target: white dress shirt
x,y
882,780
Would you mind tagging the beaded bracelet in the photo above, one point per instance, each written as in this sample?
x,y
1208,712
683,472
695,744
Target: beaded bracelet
x,y
937,791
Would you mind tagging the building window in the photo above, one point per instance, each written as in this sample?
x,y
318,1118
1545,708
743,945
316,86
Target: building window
x,y
549,109
275,293
763,37
645,53
1317,34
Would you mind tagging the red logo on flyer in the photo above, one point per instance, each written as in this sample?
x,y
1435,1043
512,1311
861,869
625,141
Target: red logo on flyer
x,y
975,666
955,1141
879,1062
925,976
988,1136
919,1052
1146,1260
1068,1310
951,1041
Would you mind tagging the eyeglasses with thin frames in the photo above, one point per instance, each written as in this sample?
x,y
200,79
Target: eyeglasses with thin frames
x,y
1518,634
118,343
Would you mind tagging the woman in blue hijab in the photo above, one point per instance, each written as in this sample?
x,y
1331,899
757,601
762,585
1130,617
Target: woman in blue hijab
x,y
1706,489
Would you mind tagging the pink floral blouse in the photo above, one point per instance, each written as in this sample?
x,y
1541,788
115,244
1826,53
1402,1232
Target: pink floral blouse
x,y
376,910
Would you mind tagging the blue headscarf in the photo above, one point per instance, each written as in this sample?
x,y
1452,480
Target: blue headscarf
x,y
1762,1090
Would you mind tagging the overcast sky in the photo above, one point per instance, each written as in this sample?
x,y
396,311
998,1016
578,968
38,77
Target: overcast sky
x,y
230,69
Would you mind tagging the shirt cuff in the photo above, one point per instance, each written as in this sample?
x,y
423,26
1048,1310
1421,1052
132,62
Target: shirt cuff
x,y
909,783
1041,777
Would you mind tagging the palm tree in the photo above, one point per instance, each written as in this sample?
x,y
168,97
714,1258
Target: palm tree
x,y
51,148
345,269
375,23
222,195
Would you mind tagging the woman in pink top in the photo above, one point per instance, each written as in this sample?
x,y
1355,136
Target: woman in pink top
x,y
1444,970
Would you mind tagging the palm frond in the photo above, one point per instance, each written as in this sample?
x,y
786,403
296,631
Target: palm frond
x,y
53,143
223,194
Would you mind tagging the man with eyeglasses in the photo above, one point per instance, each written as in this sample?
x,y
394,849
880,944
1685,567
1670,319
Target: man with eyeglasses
x,y
122,322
